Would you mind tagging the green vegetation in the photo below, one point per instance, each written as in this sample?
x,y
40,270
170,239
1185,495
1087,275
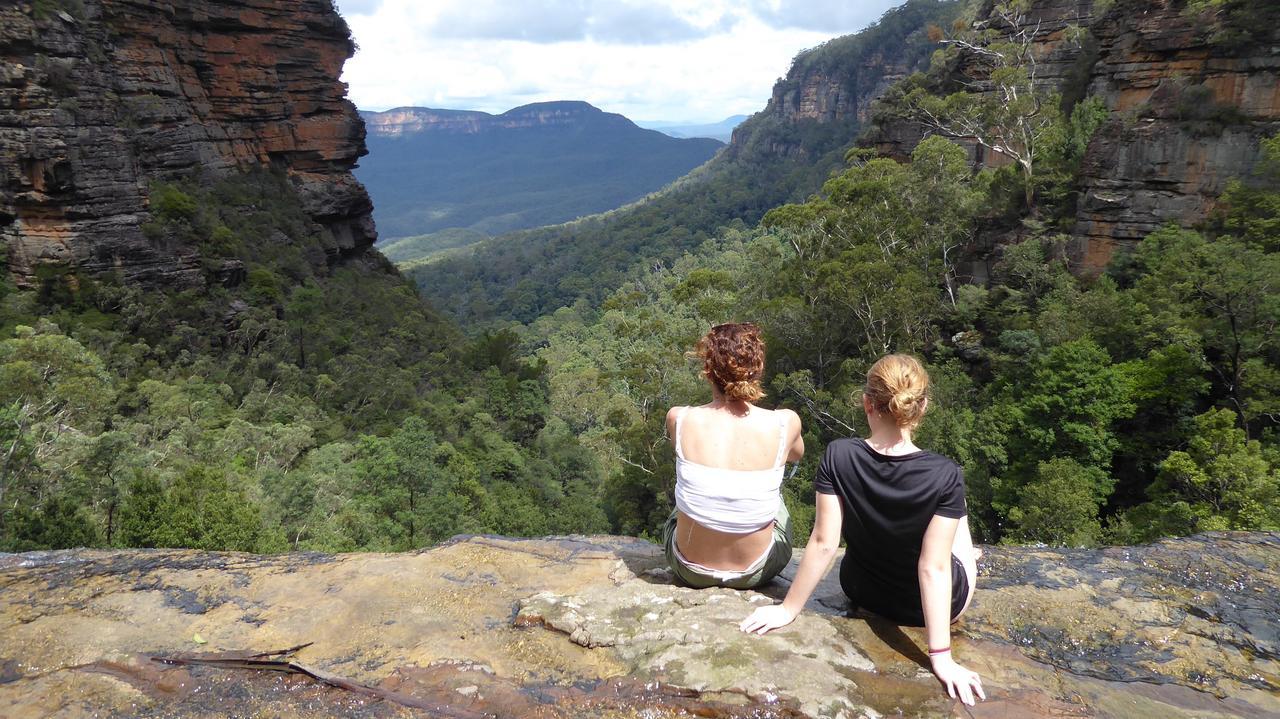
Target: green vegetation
x,y
301,402
411,251
1135,405
1237,25
524,275
307,407
46,9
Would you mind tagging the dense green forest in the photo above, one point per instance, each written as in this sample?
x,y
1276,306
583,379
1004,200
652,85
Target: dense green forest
x,y
304,408
1138,404
314,407
526,274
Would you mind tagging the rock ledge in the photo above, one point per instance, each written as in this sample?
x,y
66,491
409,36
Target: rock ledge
x,y
592,627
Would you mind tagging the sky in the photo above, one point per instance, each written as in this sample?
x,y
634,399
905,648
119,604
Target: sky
x,y
652,60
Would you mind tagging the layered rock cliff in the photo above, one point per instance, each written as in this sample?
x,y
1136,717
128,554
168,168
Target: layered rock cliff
x,y
100,98
1189,110
593,627
833,86
1190,93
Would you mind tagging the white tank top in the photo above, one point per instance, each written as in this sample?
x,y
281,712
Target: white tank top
x,y
736,501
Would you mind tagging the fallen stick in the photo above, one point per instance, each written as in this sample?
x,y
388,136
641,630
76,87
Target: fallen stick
x,y
261,661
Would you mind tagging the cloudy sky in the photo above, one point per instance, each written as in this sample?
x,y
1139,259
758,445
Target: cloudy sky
x,y
674,60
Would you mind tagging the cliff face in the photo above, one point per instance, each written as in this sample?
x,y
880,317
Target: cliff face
x,y
1189,106
820,95
1189,113
593,627
828,92
101,97
413,120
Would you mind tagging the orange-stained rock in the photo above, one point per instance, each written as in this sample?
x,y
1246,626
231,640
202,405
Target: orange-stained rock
x,y
592,627
94,106
1188,112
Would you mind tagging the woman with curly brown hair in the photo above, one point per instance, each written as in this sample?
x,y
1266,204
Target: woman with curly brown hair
x,y
730,527
908,557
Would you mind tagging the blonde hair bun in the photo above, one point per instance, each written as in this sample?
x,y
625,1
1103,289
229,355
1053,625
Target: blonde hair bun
x,y
898,385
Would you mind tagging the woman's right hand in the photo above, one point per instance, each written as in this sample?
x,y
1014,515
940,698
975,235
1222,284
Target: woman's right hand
x,y
960,682
765,618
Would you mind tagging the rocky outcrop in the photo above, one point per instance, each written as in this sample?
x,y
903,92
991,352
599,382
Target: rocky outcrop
x,y
99,98
1189,106
593,627
403,121
834,85
1189,112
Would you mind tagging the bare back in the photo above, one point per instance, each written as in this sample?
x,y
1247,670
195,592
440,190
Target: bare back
x,y
717,438
743,438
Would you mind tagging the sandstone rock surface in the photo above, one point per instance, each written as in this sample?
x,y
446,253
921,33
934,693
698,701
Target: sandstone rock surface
x,y
592,627
98,98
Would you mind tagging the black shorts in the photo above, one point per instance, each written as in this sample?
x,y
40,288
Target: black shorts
x,y
896,606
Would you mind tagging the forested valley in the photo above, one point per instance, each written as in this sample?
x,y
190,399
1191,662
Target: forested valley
x,y
306,409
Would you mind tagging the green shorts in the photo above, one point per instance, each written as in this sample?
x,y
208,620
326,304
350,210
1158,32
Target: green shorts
x,y
699,578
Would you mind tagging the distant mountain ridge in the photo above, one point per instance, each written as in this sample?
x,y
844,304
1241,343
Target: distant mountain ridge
x,y
721,131
781,154
400,121
430,170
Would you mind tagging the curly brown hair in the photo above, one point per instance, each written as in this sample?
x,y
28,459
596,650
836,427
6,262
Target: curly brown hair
x,y
732,357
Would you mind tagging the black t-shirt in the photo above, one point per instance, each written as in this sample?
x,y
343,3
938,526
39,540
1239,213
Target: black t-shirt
x,y
888,503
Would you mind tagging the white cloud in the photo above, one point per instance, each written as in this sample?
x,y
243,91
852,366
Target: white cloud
x,y
647,59
820,15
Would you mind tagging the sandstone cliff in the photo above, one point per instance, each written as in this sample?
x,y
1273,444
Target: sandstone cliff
x,y
1189,112
98,98
593,627
833,86
1190,98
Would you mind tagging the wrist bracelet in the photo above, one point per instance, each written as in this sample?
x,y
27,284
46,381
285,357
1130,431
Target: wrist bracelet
x,y
936,652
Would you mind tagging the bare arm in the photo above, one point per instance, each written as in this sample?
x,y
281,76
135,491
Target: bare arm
x,y
818,553
934,570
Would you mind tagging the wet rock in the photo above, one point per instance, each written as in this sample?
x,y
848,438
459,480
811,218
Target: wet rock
x,y
592,627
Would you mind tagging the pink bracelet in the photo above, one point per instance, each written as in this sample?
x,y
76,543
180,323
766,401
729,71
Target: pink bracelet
x,y
936,652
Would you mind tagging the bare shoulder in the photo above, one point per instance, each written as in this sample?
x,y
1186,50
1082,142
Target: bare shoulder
x,y
792,419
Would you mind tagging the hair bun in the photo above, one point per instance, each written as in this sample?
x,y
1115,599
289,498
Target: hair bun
x,y
898,385
733,360
743,389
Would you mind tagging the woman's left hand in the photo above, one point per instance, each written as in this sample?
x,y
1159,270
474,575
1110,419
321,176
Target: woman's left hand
x,y
765,618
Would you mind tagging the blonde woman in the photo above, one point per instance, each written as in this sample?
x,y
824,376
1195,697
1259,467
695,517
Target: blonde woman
x,y
909,556
730,527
